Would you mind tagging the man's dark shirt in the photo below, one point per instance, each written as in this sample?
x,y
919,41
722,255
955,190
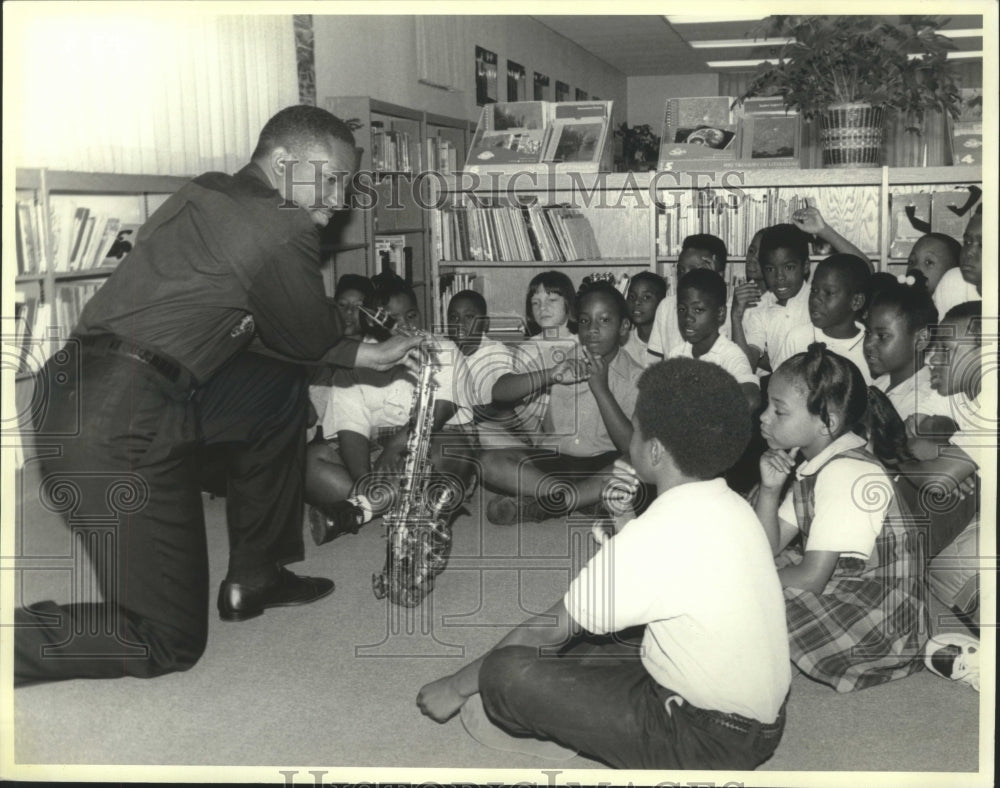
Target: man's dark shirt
x,y
219,262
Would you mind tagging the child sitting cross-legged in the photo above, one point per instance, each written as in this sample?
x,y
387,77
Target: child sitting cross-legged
x,y
550,333
586,423
701,312
707,689
836,300
856,596
351,474
487,361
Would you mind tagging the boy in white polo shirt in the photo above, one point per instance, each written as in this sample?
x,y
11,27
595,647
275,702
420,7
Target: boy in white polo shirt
x,y
760,331
837,294
701,312
708,689
487,361
697,251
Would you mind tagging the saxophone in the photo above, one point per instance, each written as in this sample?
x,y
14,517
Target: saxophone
x,y
417,525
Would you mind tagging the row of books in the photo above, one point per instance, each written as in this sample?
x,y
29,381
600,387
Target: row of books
x,y
391,150
733,219
79,238
28,221
526,133
41,328
442,155
507,233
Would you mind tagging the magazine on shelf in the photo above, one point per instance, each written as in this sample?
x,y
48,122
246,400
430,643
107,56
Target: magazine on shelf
x,y
770,137
698,127
576,140
526,133
510,132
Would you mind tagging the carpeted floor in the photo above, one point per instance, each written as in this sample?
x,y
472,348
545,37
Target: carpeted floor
x,y
332,685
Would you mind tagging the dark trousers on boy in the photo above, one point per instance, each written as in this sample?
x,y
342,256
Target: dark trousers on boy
x,y
123,434
601,701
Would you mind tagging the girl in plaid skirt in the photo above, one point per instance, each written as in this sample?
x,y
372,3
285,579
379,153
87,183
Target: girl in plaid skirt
x,y
855,592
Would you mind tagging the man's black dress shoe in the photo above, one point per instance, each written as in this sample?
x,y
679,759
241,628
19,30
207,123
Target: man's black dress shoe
x,y
238,602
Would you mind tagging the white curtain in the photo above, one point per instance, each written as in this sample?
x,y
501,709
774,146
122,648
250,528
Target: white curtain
x,y
441,56
146,92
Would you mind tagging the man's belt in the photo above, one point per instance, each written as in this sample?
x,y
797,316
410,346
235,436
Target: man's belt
x,y
122,347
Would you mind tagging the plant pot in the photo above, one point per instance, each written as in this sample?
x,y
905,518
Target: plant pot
x,y
851,135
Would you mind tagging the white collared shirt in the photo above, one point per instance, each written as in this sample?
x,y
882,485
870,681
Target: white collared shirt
x,y
915,395
800,337
953,290
697,570
766,325
851,499
726,354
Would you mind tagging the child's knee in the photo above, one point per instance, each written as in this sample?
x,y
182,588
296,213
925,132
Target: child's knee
x,y
503,670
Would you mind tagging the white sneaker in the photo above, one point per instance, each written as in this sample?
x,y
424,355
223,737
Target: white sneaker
x,y
954,656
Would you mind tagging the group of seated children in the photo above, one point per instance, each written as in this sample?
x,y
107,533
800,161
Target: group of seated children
x,y
560,421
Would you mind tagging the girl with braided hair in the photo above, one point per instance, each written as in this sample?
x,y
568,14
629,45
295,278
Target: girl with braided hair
x,y
855,596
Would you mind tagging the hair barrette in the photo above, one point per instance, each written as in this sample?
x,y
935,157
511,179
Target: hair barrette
x,y
906,279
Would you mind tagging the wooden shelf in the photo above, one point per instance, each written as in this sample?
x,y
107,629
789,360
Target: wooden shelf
x,y
614,262
102,272
545,180
99,182
399,231
960,174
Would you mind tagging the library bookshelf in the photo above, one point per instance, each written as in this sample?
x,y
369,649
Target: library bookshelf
x,y
640,219
60,267
396,144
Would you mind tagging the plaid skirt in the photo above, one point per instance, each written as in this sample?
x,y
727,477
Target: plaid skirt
x,y
870,622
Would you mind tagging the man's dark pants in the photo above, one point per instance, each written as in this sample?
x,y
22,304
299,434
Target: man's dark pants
x,y
127,448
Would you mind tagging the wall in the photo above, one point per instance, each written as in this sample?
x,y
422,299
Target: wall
x,y
376,56
647,96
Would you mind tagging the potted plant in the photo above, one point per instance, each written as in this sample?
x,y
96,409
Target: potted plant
x,y
848,70
639,148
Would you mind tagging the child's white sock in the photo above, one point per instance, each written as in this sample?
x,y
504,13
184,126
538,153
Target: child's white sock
x,y
362,502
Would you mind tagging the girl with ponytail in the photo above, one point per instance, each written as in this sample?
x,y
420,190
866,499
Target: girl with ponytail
x,y
855,593
900,315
